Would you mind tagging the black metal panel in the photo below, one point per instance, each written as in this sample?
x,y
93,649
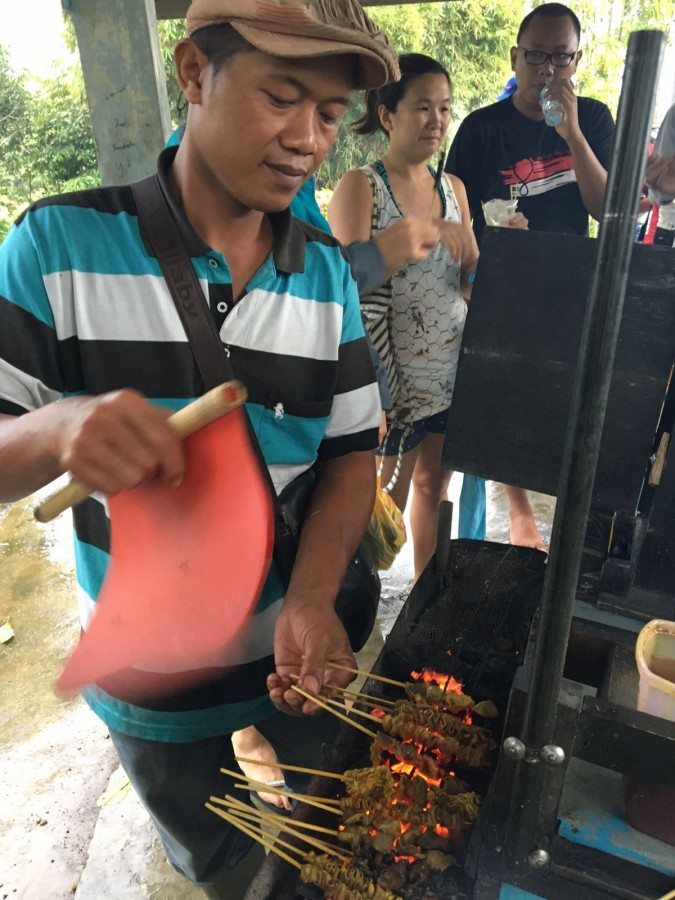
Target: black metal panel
x,y
625,740
519,353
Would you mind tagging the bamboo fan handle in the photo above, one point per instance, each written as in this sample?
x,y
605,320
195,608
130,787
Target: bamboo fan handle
x,y
186,421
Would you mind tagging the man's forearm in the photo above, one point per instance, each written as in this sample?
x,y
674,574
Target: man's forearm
x,y
591,176
28,455
335,521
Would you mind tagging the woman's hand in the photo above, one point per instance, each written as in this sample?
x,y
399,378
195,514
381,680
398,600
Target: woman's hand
x,y
518,220
456,239
405,241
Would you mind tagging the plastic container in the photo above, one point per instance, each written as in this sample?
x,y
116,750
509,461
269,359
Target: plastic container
x,y
650,807
554,112
655,656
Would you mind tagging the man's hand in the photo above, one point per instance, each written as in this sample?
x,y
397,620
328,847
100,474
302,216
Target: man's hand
x,y
307,635
118,440
563,92
660,173
407,240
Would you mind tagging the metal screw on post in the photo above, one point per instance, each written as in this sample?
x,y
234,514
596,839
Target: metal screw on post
x,y
537,859
514,748
552,755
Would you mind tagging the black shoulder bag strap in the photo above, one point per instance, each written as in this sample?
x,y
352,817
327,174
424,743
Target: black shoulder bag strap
x,y
166,241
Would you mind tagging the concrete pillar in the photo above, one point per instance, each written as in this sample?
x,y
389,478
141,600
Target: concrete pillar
x,y
124,79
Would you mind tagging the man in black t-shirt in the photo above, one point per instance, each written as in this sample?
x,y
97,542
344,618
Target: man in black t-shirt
x,y
507,151
558,175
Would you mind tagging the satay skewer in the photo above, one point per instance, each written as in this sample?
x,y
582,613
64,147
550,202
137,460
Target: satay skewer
x,y
358,695
320,702
298,823
258,786
257,836
252,784
353,710
255,815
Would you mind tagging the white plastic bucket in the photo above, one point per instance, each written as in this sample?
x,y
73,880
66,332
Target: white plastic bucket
x,y
655,656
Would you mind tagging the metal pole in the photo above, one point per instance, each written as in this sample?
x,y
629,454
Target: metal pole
x,y
589,401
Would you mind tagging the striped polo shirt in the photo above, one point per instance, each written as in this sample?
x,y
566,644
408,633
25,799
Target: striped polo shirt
x,y
84,309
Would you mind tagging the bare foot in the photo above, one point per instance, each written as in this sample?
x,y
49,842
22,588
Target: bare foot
x,y
251,744
523,532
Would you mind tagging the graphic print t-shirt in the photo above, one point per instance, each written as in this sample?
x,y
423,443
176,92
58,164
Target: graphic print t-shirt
x,y
501,154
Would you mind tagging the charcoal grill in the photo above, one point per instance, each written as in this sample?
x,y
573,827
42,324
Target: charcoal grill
x,y
476,599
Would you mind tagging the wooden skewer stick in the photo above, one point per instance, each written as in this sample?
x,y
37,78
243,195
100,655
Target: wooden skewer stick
x,y
186,421
320,702
401,684
301,798
298,823
255,835
354,711
260,817
350,694
357,695
303,769
237,816
251,784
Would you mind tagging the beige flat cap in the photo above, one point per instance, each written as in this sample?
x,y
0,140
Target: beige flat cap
x,y
304,28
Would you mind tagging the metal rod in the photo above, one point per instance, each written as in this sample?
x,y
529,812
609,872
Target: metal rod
x,y
584,430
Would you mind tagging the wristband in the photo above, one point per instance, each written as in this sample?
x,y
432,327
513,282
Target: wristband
x,y
471,277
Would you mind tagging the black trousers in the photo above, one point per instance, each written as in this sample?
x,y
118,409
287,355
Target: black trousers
x,y
174,781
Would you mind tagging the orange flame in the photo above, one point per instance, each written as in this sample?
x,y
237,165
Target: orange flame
x,y
445,682
442,831
378,713
404,827
408,859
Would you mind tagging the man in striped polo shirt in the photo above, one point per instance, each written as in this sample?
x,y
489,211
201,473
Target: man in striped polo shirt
x,y
86,319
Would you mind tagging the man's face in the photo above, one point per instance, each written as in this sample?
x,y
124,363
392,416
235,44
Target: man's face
x,y
262,125
552,35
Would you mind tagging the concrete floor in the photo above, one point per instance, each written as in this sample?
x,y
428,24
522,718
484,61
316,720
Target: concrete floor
x,y
69,823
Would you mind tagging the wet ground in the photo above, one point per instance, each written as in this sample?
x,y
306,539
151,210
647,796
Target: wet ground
x,y
69,824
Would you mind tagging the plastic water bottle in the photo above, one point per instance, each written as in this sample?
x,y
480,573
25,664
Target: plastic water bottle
x,y
554,112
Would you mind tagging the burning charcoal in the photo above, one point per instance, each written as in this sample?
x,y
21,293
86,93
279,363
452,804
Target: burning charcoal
x,y
419,872
454,785
394,878
438,861
430,840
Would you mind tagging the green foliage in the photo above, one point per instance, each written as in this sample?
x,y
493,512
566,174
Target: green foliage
x,y
46,140
607,25
471,38
170,32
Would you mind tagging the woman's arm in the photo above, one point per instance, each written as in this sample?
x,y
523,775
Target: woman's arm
x,y
463,236
350,210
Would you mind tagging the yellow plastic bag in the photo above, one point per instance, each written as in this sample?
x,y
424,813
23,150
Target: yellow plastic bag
x,y
386,530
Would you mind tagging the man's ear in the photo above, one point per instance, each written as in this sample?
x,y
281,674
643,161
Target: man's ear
x,y
580,53
514,55
191,64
